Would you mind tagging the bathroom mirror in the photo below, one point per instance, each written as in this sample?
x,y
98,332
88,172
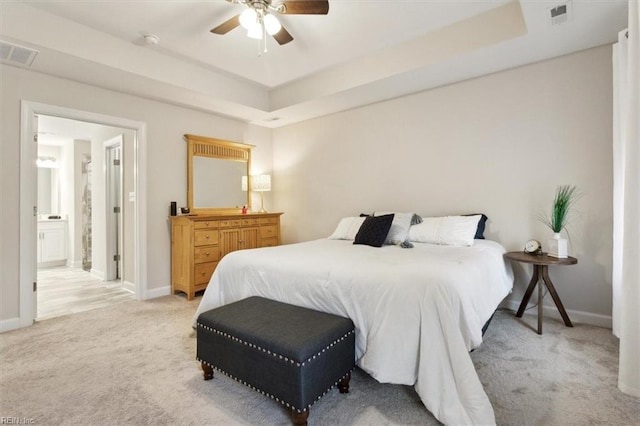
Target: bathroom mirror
x,y
48,191
215,168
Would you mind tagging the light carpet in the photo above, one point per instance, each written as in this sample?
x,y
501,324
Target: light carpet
x,y
134,364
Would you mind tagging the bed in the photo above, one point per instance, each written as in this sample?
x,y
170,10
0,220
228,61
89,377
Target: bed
x,y
418,312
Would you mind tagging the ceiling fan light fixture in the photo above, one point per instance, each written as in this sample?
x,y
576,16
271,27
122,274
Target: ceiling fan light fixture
x,y
271,24
249,19
255,32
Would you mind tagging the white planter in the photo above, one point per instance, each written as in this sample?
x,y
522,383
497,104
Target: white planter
x,y
558,247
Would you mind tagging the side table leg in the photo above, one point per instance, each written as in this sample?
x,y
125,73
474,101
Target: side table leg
x,y
540,302
527,294
554,295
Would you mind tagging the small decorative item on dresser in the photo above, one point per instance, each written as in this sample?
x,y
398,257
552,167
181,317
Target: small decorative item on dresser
x,y
173,209
566,196
185,210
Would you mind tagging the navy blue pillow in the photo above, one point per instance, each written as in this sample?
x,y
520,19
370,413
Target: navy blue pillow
x,y
481,223
374,230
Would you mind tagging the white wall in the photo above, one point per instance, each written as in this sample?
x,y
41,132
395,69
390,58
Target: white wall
x,y
498,144
166,162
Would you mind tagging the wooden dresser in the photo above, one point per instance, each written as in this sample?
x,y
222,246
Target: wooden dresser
x,y
199,242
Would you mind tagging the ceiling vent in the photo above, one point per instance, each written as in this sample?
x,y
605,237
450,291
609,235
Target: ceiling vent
x,y
561,14
16,55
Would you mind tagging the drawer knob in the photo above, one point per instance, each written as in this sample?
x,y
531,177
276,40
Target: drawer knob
x,y
203,273
207,237
207,253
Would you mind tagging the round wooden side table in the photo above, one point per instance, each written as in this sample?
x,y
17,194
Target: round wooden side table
x,y
541,270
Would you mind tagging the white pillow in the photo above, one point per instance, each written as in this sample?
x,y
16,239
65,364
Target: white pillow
x,y
347,228
399,230
446,230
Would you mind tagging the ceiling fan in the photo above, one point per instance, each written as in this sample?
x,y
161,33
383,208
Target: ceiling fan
x,y
259,19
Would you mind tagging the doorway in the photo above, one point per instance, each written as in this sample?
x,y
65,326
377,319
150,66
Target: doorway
x,y
28,203
70,279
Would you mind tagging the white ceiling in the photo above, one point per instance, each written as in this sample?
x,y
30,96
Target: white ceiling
x,y
361,52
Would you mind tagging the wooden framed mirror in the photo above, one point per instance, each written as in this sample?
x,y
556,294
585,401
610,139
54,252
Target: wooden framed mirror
x,y
215,168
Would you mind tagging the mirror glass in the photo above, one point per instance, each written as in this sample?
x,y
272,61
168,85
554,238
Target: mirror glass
x,y
215,168
217,183
48,191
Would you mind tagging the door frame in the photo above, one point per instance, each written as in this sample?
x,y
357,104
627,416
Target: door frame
x,y
116,245
28,201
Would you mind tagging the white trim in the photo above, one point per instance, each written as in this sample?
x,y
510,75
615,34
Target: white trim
x,y
27,197
77,264
97,274
129,286
628,390
158,292
9,324
28,224
579,317
107,146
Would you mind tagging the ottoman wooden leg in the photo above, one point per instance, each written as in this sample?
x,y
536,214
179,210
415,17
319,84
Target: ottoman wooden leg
x,y
343,384
299,419
208,371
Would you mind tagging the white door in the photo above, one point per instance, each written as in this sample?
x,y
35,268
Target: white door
x,y
113,180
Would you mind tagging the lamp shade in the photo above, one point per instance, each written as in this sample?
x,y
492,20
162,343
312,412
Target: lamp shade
x,y
261,183
248,18
271,24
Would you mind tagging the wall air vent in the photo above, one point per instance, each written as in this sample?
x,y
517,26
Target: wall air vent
x,y
16,55
561,14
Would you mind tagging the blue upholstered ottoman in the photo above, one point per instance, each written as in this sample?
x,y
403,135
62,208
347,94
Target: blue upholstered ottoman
x,y
292,354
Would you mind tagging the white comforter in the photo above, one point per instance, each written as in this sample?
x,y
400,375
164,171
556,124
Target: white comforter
x,y
418,312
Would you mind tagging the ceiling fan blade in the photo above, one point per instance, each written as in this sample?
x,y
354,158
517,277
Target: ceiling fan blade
x,y
306,7
227,26
283,36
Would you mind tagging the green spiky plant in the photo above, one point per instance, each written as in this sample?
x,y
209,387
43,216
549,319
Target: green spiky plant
x,y
566,196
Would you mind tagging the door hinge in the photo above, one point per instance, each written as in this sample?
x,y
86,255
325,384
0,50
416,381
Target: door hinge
x,y
35,137
116,162
35,286
116,209
35,210
116,257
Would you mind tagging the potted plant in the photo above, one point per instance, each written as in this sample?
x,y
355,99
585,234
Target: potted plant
x,y
566,196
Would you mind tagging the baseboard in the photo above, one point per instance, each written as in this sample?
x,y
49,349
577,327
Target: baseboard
x,y
629,390
579,317
9,324
75,264
97,274
157,292
52,263
129,286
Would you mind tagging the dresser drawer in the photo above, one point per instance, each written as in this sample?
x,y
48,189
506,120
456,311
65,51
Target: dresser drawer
x,y
206,224
203,272
205,237
230,223
268,231
269,242
206,254
268,221
250,222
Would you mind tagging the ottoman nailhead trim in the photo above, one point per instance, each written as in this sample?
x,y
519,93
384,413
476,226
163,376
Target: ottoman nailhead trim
x,y
271,396
251,345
